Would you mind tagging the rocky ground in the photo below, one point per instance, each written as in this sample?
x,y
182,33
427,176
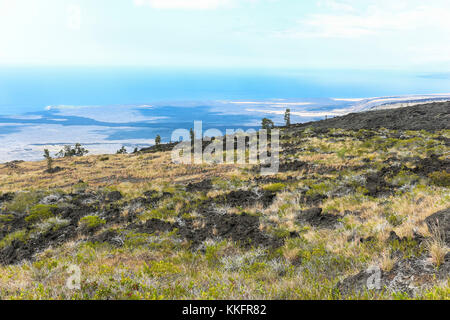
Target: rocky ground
x,y
429,117
351,214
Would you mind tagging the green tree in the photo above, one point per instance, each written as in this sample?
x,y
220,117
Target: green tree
x,y
191,132
122,150
68,151
49,160
267,124
287,117
158,140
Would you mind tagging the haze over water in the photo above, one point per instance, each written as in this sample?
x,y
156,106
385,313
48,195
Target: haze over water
x,y
105,108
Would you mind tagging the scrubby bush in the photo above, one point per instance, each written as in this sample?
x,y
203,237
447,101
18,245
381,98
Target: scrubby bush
x,y
122,150
91,222
275,187
22,201
76,151
40,212
20,235
440,178
53,224
161,269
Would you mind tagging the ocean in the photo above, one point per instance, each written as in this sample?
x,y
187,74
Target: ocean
x,y
105,108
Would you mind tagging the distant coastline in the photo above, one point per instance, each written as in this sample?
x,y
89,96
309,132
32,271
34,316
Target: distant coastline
x,y
105,129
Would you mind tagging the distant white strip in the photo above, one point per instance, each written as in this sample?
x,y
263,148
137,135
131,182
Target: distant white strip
x,y
273,103
301,114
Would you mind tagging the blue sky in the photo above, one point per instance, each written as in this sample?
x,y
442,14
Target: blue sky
x,y
357,34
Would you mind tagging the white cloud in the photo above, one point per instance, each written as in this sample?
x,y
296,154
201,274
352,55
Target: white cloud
x,y
184,4
343,20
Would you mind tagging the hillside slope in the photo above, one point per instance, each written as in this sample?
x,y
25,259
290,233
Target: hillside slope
x,y
430,117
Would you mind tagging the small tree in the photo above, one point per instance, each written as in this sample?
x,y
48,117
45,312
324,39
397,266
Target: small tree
x,y
158,140
122,150
267,124
68,151
287,117
80,151
49,160
191,132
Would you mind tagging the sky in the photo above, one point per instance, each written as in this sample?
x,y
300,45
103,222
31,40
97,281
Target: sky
x,y
342,34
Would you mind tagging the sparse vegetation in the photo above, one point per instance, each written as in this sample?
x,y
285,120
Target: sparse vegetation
x,y
267,124
122,150
343,201
69,151
158,140
91,222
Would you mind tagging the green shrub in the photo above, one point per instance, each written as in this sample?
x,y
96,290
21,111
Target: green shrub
x,y
91,222
22,202
161,269
20,235
53,224
319,188
441,179
393,219
275,187
40,212
6,217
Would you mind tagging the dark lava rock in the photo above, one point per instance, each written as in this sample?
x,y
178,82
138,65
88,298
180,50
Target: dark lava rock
x,y
315,218
158,148
393,237
429,117
243,229
54,170
153,225
431,164
376,182
5,197
13,164
408,276
295,165
245,198
205,185
113,196
109,236
18,250
313,200
440,221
